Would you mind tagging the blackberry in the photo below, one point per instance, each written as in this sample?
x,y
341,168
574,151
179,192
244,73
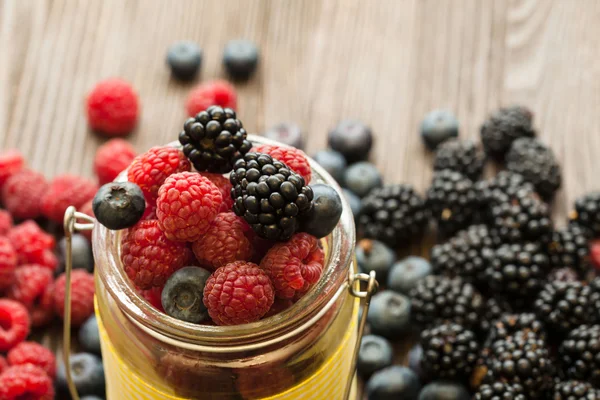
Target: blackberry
x,y
504,183
587,212
563,275
214,139
580,354
503,127
438,299
509,324
574,390
393,214
537,163
449,352
568,247
269,196
453,200
460,155
495,308
500,391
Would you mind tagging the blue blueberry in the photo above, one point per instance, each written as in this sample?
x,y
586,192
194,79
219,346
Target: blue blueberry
x,y
351,138
81,252
182,295
415,355
89,336
333,162
87,372
119,205
325,212
354,201
389,314
405,274
361,178
375,353
444,390
240,58
438,126
373,255
286,133
184,58
393,383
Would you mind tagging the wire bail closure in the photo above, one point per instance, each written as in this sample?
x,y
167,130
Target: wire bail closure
x,y
71,226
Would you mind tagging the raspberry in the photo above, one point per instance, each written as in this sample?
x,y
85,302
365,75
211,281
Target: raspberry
x,y
294,266
290,156
11,162
26,382
87,210
32,244
8,263
150,211
224,187
42,312
153,297
34,354
30,284
225,241
64,191
149,170
186,206
14,324
149,258
6,222
111,158
3,364
82,296
112,107
22,194
595,253
238,293
207,94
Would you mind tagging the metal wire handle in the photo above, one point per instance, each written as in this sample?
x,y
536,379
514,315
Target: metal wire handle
x,y
71,226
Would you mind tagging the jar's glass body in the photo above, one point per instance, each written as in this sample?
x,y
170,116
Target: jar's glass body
x,y
302,352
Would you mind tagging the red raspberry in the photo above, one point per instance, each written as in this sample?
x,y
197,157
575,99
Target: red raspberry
x,y
35,354
149,258
6,222
149,170
207,94
30,284
42,312
3,364
112,107
153,297
65,191
11,162
82,296
8,263
150,211
14,324
224,242
22,194
294,266
290,156
26,382
32,244
224,187
111,158
238,293
87,210
187,204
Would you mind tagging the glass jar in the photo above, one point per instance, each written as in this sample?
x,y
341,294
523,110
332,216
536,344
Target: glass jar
x,y
304,352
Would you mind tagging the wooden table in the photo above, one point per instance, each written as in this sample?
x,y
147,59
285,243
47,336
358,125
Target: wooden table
x,y
384,62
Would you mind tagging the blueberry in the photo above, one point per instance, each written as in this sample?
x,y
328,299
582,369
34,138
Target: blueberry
x,y
415,355
443,390
184,58
393,383
373,255
240,58
87,372
438,126
375,353
389,314
286,133
81,251
89,336
325,213
119,205
405,274
182,295
354,201
351,138
361,178
333,162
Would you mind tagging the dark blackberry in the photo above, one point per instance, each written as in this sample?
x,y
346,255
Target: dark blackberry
x,y
509,324
569,247
505,182
537,163
495,308
453,201
580,354
449,352
438,299
563,275
460,155
503,127
500,391
393,214
587,212
269,196
214,139
574,390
